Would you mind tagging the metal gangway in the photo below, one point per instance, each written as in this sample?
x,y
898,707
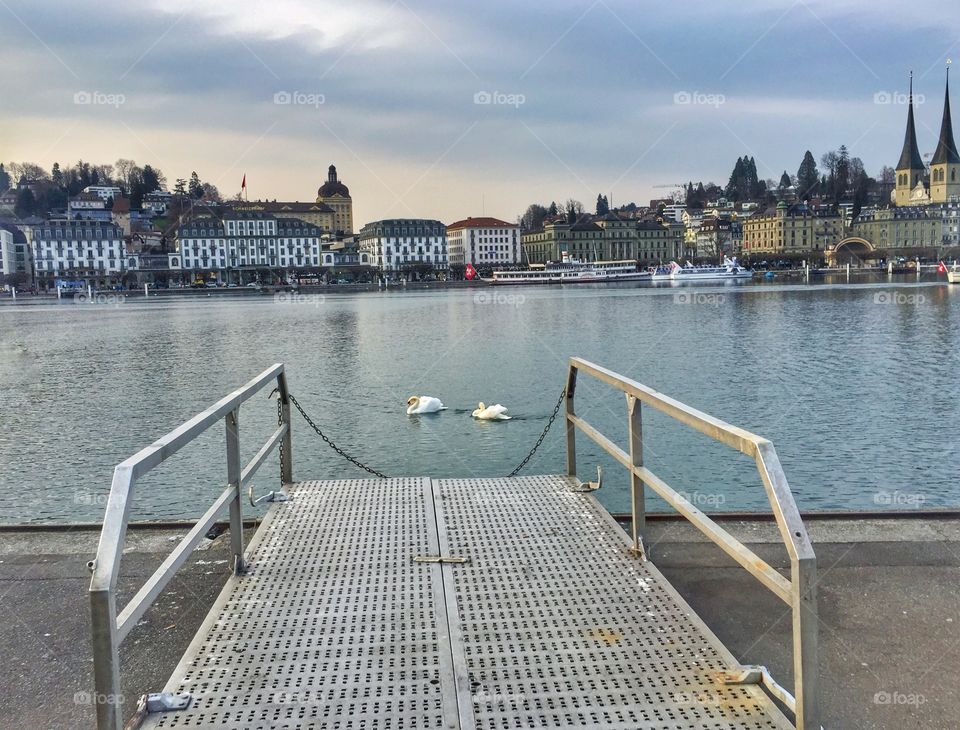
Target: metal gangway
x,y
415,602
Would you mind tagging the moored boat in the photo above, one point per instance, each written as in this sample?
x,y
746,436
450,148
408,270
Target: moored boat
x,y
730,269
574,272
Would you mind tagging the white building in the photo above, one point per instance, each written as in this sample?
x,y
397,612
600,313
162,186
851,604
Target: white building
x,y
88,205
157,202
483,242
104,191
397,243
215,244
15,258
78,249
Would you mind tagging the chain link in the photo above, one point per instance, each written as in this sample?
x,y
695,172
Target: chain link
x,y
345,455
543,435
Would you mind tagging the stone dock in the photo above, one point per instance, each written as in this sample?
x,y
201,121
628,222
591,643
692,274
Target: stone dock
x,y
888,591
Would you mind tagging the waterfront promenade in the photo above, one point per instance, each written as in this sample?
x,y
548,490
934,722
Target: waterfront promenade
x,y
888,603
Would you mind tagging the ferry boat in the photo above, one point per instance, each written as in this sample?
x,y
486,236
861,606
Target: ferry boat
x,y
953,275
573,272
730,269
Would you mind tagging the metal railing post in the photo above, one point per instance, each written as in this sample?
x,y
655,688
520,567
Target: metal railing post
x,y
106,660
286,444
234,467
805,636
571,428
639,513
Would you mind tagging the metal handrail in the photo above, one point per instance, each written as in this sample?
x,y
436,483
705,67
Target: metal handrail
x,y
799,592
108,628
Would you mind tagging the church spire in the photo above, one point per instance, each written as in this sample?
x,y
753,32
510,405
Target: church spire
x,y
946,147
910,158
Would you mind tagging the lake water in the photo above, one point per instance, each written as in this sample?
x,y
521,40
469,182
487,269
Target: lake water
x,y
855,385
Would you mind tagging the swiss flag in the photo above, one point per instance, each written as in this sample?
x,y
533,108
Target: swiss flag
x,y
471,272
942,268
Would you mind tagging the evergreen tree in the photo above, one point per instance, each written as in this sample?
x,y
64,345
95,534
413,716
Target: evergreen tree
x,y
603,207
552,210
784,182
195,187
56,174
4,179
26,204
807,177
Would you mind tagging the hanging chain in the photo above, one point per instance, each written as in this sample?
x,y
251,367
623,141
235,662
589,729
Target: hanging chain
x,y
330,443
543,435
280,423
345,455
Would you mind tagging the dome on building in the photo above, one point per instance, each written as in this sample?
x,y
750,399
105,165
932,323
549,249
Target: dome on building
x,y
333,186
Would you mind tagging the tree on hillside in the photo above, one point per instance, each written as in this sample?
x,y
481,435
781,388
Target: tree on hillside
x,y
195,187
573,209
26,204
552,209
211,193
4,179
532,219
808,177
603,206
124,168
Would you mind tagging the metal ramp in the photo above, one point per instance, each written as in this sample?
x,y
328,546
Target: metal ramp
x,y
550,623
413,603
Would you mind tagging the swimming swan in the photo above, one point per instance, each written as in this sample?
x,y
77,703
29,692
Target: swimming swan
x,y
424,404
491,413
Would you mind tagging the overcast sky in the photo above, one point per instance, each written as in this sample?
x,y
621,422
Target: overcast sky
x,y
592,96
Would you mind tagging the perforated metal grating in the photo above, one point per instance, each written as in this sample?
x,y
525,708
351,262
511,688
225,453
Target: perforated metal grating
x,y
334,626
562,627
551,623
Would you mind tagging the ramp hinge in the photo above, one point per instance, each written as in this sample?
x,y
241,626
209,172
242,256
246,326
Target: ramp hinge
x,y
590,486
168,702
755,674
439,559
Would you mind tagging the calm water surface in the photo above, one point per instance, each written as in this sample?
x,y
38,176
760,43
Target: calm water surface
x,y
855,385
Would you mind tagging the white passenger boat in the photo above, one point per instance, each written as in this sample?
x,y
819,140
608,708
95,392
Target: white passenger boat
x,y
730,269
953,275
573,272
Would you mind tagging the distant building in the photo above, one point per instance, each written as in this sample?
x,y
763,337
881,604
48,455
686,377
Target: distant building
x,y
397,243
157,202
320,215
791,229
16,260
715,237
913,186
604,238
336,195
88,205
78,249
906,227
104,191
213,245
483,242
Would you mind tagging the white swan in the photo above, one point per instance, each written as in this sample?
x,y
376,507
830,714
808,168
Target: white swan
x,y
491,413
424,404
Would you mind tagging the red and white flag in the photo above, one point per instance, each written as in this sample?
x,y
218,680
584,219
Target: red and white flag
x,y
243,185
942,268
471,272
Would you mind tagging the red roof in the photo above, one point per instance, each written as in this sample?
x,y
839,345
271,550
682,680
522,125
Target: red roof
x,y
481,223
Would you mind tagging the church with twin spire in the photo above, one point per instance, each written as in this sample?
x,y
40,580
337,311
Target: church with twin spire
x,y
915,184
